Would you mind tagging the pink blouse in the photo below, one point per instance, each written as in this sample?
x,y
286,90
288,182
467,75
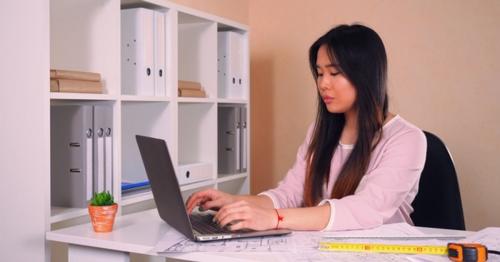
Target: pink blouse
x,y
385,192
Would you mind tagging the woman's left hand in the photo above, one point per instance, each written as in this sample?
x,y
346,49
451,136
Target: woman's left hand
x,y
245,215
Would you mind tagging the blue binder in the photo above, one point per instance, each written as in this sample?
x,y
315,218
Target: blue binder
x,y
127,186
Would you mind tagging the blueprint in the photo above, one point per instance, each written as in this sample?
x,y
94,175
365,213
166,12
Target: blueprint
x,y
295,241
302,246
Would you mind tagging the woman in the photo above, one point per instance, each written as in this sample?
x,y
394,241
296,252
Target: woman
x,y
359,165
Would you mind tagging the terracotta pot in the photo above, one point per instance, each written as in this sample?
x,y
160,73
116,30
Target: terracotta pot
x,y
103,217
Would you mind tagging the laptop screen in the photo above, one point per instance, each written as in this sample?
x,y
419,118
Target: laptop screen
x,y
164,184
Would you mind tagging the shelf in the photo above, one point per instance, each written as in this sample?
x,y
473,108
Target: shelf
x,y
59,214
191,19
189,125
151,4
132,98
195,100
136,197
81,96
146,194
232,101
225,178
197,52
141,118
197,133
85,36
235,184
200,184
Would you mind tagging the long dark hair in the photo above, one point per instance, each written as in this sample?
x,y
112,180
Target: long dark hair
x,y
360,54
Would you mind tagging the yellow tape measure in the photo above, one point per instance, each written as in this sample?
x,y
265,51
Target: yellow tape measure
x,y
383,248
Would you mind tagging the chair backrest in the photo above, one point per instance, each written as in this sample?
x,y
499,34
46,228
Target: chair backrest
x,y
438,203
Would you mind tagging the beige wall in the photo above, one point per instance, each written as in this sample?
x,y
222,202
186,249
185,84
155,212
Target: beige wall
x,y
444,62
236,10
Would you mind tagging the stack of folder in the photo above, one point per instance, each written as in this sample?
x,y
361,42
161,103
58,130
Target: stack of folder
x,y
75,81
132,186
191,89
81,155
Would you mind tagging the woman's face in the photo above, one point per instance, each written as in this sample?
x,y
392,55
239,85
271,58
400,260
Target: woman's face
x,y
335,89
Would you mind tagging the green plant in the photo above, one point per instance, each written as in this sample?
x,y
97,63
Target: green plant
x,y
103,198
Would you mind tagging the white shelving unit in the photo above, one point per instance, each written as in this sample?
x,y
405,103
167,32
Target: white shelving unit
x,y
85,35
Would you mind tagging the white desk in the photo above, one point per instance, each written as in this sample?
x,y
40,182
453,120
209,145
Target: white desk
x,y
139,233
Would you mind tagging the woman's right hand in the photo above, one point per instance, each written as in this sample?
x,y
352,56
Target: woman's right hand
x,y
209,199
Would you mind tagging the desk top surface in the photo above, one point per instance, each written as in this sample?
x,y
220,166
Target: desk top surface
x,y
139,233
136,233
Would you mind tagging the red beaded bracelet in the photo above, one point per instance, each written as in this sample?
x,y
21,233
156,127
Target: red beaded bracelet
x,y
280,218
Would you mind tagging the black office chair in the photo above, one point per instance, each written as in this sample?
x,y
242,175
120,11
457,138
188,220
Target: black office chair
x,y
438,203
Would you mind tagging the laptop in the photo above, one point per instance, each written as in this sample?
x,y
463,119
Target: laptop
x,y
169,202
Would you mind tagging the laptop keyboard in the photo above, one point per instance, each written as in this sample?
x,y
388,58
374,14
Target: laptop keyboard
x,y
204,224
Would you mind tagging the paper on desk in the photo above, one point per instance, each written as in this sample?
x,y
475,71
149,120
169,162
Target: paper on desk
x,y
388,231
303,247
174,242
299,241
358,257
170,238
398,233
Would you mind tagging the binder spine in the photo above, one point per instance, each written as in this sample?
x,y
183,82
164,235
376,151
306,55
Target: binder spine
x,y
237,149
137,51
88,164
108,150
103,169
71,155
100,159
221,64
231,79
243,139
159,53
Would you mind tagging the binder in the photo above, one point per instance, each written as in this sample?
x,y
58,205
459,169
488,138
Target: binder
x,y
143,38
81,153
228,155
191,173
137,40
230,73
243,139
159,53
131,186
232,139
103,144
71,155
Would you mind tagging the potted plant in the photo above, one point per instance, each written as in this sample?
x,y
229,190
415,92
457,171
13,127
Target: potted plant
x,y
102,210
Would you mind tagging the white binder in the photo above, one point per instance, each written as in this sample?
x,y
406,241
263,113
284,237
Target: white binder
x,y
108,160
232,139
103,154
137,38
243,139
159,53
230,73
71,155
191,173
82,153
